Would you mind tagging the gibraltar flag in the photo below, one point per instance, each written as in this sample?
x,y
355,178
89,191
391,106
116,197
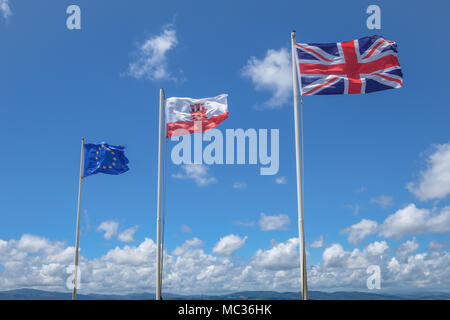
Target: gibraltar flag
x,y
183,113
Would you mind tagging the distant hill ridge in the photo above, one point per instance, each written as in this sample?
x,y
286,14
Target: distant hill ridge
x,y
32,294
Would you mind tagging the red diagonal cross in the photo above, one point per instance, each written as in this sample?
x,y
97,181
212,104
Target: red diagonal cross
x,y
351,68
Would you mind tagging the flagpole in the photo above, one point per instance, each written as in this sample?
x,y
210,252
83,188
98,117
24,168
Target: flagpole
x,y
158,214
77,240
299,173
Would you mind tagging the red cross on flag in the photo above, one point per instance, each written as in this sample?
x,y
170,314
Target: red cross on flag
x,y
188,113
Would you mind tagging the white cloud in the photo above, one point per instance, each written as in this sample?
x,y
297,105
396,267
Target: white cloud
x,y
336,257
360,230
346,270
151,59
191,270
406,249
437,246
434,182
228,244
197,172
333,255
188,244
383,201
275,222
109,227
131,255
272,73
282,256
412,220
318,243
281,180
377,248
128,234
33,261
5,9
32,244
409,220
419,271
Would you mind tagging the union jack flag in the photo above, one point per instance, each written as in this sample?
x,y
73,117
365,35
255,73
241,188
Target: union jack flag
x,y
365,65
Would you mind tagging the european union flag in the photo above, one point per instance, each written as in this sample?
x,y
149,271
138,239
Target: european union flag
x,y
104,158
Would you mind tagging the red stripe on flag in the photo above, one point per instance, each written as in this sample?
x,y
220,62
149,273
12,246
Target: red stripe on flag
x,y
389,78
374,48
316,53
318,87
352,67
189,125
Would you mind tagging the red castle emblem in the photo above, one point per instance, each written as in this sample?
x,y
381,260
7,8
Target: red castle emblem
x,y
198,112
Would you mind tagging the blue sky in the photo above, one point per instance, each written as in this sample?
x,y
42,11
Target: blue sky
x,y
360,152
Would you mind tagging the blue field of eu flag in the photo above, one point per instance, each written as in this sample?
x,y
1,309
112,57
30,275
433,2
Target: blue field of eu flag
x,y
104,158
